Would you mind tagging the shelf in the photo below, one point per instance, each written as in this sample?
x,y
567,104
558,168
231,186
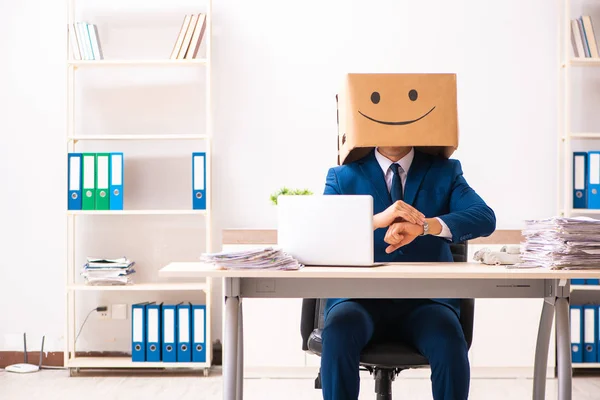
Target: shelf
x,y
585,135
136,212
117,63
585,287
125,362
585,211
139,137
585,61
141,287
586,365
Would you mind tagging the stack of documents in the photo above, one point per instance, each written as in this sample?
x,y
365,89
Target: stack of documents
x,y
562,243
265,258
100,271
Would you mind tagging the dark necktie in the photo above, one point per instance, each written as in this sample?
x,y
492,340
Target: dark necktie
x,y
396,190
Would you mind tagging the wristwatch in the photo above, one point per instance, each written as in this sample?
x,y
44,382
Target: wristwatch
x,y
425,228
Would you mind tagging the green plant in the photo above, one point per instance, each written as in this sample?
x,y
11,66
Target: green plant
x,y
288,192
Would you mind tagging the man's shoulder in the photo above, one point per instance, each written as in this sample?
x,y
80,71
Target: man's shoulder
x,y
349,168
440,163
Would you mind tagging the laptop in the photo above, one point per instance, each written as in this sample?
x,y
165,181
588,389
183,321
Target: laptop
x,y
332,230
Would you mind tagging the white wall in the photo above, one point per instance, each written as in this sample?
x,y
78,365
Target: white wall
x,y
276,69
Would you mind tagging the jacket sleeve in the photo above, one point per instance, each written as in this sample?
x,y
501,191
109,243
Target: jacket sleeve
x,y
331,183
469,216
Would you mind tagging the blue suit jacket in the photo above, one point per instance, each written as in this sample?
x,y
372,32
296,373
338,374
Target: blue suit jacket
x,y
436,187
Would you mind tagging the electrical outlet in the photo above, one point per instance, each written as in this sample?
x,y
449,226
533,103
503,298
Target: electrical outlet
x,y
119,311
104,315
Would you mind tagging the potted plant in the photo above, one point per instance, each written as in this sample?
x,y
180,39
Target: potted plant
x,y
286,191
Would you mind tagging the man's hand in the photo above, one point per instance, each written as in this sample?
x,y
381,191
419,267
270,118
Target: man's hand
x,y
399,211
400,234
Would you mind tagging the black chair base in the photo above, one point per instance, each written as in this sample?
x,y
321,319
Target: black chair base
x,y
383,382
384,377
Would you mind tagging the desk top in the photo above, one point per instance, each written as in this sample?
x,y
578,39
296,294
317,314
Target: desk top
x,y
468,270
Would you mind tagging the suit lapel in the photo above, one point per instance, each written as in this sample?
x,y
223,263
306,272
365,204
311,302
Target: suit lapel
x,y
374,174
416,173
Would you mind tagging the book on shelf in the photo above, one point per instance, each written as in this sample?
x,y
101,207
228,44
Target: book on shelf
x,y
583,38
189,37
85,43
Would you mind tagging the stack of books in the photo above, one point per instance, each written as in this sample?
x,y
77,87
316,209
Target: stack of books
x,y
265,258
85,44
562,243
101,271
189,38
583,38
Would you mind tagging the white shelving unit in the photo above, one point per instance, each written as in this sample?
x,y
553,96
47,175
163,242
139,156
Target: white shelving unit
x,y
567,137
565,134
71,360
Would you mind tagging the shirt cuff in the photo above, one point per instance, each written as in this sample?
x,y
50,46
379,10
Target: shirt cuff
x,y
445,233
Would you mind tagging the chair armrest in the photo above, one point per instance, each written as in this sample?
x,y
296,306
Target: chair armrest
x,y
307,321
467,315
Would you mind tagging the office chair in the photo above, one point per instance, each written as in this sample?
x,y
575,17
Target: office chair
x,y
387,359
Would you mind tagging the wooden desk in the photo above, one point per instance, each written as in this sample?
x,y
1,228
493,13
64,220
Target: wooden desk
x,y
414,280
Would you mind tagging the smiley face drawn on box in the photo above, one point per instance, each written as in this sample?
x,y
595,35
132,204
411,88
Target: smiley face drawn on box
x,y
397,110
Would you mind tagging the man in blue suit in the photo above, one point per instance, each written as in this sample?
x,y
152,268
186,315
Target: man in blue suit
x,y
421,203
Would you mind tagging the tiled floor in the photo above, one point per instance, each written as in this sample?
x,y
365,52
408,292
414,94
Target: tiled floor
x,y
56,384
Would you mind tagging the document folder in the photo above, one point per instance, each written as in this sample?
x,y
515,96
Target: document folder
x,y
169,333
589,333
580,179
592,281
594,180
74,190
154,346
576,331
184,332
199,333
88,201
577,281
102,171
116,181
598,333
199,181
138,332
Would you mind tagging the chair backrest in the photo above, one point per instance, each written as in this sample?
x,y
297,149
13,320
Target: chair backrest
x,y
312,309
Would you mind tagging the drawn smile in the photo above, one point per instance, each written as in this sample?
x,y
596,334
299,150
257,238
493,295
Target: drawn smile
x,y
396,122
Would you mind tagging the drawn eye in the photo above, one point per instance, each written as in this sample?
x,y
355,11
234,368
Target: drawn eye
x,y
413,95
375,97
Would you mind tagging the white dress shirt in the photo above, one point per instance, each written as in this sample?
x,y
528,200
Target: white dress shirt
x,y
404,164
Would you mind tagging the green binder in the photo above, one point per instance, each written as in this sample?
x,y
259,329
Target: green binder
x,y
88,201
102,181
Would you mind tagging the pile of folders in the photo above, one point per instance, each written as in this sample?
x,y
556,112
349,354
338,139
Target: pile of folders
x,y
95,181
585,342
168,332
586,179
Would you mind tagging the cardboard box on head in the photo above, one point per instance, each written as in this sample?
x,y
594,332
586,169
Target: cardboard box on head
x,y
380,109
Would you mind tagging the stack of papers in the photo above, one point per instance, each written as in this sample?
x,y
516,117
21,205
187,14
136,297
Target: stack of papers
x,y
562,243
100,271
265,258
